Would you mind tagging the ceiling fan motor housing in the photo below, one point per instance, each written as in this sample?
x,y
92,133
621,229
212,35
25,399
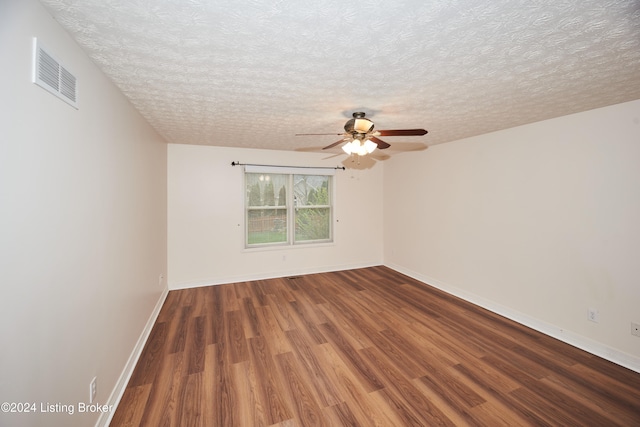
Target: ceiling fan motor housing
x,y
359,124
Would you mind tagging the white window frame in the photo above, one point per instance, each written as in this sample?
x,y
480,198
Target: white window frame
x,y
290,206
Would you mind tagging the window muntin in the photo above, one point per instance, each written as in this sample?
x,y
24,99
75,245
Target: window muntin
x,y
286,209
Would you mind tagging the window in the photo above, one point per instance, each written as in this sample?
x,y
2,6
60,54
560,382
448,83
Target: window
x,y
287,208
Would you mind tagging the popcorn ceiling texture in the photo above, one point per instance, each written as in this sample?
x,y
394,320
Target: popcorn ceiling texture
x,y
253,73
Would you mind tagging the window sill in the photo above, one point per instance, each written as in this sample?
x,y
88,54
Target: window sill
x,y
288,247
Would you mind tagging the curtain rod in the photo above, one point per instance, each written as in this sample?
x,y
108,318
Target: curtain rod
x,y
278,166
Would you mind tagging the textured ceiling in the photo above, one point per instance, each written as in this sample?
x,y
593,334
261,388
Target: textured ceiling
x,y
253,73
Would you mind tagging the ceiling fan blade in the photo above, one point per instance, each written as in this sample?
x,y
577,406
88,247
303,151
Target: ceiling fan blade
x,y
334,144
409,146
381,144
305,134
402,132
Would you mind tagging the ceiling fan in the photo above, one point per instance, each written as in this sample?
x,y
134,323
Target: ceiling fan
x,y
359,137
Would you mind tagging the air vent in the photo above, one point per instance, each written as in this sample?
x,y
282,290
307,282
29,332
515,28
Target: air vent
x,y
52,76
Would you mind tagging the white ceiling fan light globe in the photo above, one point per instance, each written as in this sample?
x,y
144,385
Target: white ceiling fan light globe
x,y
348,148
359,147
369,146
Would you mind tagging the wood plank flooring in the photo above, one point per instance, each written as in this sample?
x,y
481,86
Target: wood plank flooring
x,y
366,347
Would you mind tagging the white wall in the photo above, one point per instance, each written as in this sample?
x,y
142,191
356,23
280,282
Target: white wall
x,y
82,226
538,222
206,218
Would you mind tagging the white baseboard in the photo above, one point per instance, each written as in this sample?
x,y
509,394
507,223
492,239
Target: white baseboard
x,y
264,276
596,348
121,385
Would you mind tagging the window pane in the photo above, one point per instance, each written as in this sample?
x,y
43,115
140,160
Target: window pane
x,y
313,224
266,226
311,190
266,189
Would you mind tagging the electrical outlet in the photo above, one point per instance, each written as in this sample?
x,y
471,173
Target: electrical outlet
x,y
593,315
635,329
93,389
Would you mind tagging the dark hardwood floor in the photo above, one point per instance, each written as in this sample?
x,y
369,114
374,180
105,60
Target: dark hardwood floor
x,y
367,347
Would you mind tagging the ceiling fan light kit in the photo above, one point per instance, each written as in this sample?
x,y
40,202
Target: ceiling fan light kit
x,y
359,148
